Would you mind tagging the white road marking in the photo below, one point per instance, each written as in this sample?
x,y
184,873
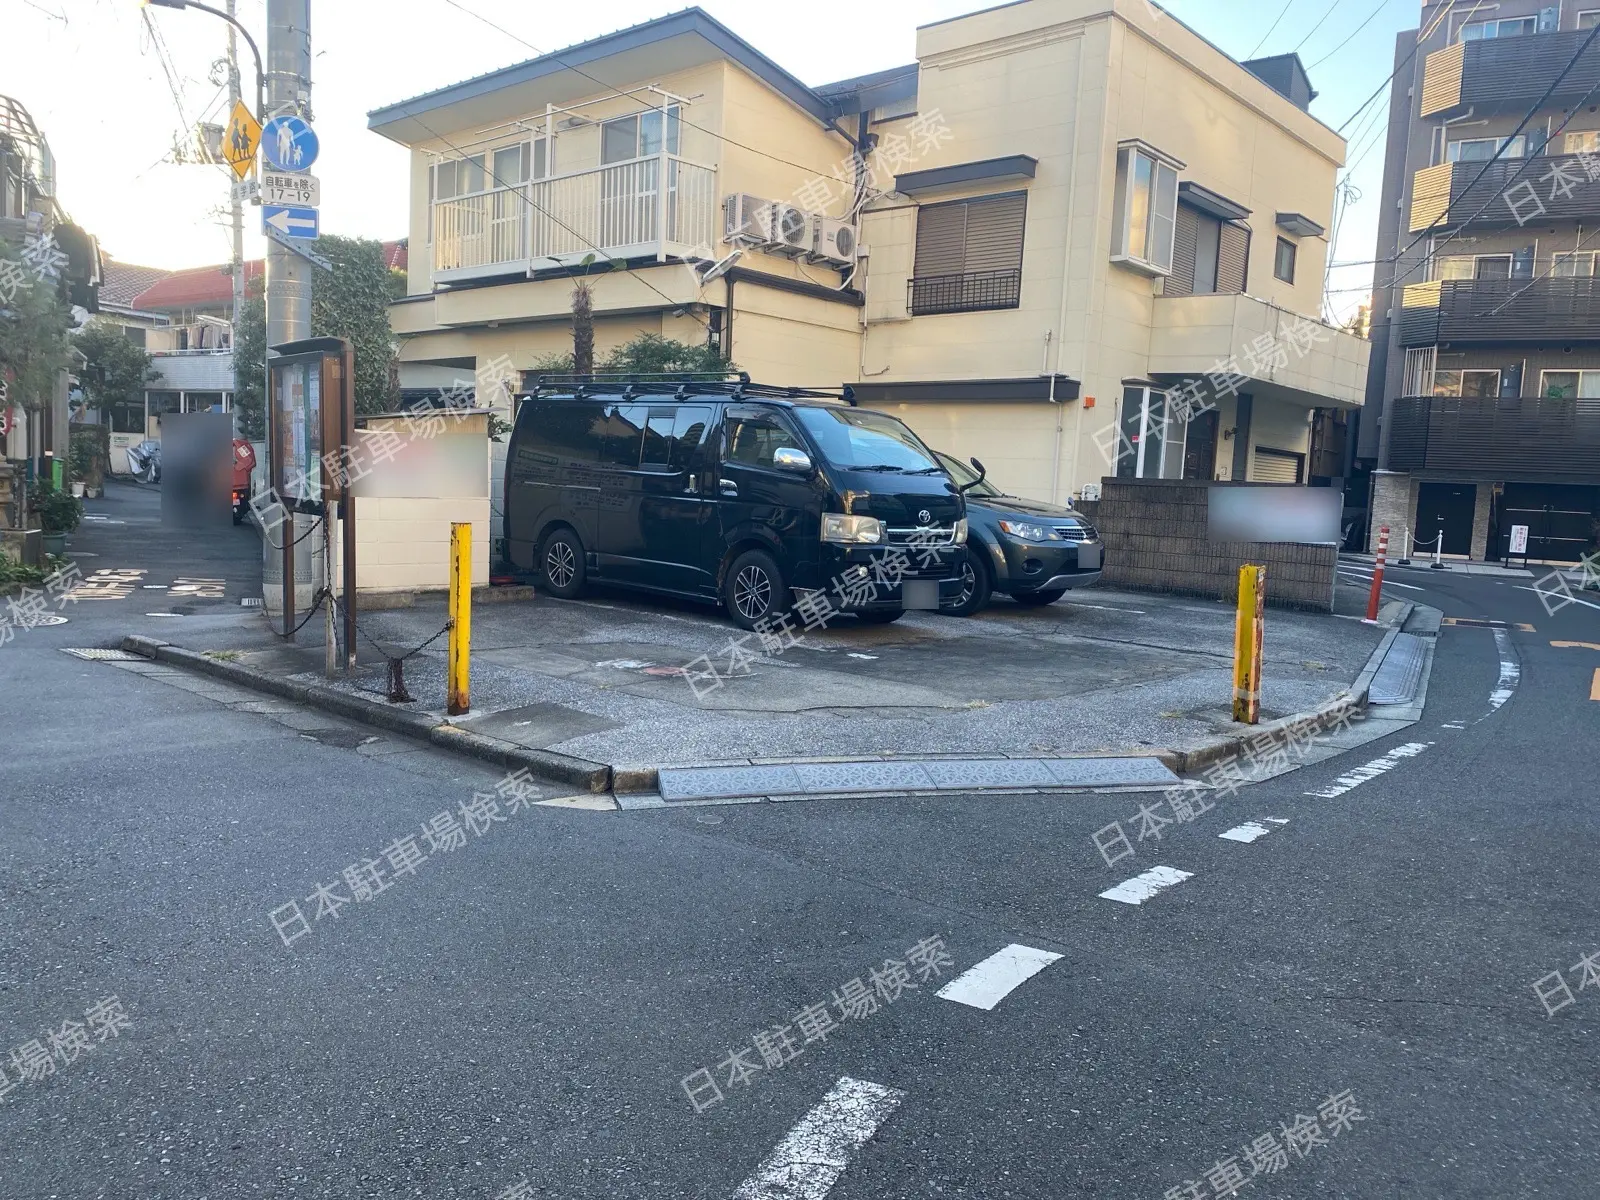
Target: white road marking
x,y
1248,832
1141,887
1551,592
1388,583
1371,770
1277,820
987,983
866,657
1452,725
1510,673
812,1155
1138,612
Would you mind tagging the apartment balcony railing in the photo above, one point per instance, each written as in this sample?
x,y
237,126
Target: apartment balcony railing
x,y
1552,309
1513,191
1510,72
972,292
1512,437
616,211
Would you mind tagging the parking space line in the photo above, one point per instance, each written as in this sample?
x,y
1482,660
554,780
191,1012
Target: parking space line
x,y
1371,770
1510,672
985,984
1143,886
809,1160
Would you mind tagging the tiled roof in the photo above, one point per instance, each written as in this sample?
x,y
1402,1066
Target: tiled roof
x,y
120,282
212,287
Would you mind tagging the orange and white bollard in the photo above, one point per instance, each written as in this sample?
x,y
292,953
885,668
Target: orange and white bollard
x,y
1377,576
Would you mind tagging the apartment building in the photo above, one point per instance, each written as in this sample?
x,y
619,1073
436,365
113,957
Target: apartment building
x,y
1483,397
1073,238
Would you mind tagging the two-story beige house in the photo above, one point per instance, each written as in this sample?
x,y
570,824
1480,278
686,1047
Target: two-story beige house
x,y
1074,238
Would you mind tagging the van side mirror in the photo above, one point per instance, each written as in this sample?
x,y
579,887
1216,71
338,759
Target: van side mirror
x,y
787,458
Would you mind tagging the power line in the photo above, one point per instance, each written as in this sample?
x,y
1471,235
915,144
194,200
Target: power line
x,y
1332,8
1270,28
1382,4
615,91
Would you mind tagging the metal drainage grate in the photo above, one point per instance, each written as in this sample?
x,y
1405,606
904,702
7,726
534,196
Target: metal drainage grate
x,y
101,655
250,602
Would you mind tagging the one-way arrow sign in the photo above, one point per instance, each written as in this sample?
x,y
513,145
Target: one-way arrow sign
x,y
290,221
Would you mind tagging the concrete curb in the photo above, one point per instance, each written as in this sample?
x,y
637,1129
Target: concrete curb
x,y
547,765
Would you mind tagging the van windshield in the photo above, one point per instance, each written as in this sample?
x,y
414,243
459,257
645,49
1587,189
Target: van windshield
x,y
855,439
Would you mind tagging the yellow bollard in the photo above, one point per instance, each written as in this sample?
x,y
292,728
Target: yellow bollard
x,y
460,672
1247,630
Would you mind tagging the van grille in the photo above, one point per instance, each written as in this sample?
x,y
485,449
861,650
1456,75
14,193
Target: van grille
x,y
931,535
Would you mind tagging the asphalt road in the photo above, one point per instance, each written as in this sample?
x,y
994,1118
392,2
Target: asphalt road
x,y
519,1014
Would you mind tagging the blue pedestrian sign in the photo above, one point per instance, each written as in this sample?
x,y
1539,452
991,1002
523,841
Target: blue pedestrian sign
x,y
288,143
289,220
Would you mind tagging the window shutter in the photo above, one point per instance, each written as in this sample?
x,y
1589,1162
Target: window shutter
x,y
1276,466
994,234
1184,240
1233,257
971,236
941,236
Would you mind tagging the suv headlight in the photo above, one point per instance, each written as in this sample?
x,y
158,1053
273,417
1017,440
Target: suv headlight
x,y
837,527
960,538
1029,532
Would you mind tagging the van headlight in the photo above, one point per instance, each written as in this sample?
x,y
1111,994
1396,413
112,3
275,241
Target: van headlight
x,y
960,538
1030,532
851,531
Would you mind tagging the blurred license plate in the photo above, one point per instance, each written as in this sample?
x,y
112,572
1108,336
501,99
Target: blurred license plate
x,y
919,593
1088,558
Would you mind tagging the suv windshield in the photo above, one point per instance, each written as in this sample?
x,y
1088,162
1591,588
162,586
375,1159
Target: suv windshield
x,y
963,475
855,439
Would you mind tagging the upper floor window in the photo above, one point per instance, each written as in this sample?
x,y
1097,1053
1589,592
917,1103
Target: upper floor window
x,y
1483,149
1145,209
1568,385
1475,31
1482,385
1283,260
1589,19
637,136
1585,142
1209,255
969,254
1579,262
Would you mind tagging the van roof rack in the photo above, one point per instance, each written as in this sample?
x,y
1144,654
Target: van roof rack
x,y
679,385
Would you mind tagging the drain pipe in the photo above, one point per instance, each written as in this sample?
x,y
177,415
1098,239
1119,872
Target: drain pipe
x,y
1055,457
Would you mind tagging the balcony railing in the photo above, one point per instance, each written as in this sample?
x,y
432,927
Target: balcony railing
x,y
1512,437
1498,73
972,292
615,211
1513,191
1551,309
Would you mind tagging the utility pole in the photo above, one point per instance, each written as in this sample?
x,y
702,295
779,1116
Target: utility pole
x,y
288,291
237,209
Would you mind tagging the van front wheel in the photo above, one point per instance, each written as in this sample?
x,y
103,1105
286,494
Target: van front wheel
x,y
753,589
561,562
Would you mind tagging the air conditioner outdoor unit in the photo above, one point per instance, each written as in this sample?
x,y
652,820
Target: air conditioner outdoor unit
x,y
747,219
833,241
791,231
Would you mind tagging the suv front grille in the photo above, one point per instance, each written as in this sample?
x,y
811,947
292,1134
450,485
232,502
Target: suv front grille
x,y
1077,533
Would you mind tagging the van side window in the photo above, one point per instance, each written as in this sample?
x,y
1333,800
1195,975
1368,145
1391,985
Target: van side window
x,y
623,431
689,432
657,451
752,440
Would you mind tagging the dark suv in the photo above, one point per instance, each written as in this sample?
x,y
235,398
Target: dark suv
x,y
727,490
1033,552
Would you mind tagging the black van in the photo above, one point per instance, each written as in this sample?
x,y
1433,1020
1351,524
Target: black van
x,y
758,497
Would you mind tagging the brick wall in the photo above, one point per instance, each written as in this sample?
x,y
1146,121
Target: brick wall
x,y
1155,536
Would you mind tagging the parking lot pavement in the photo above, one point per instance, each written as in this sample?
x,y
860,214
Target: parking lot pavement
x,y
634,681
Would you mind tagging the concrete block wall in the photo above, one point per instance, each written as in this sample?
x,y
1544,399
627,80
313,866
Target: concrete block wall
x,y
1155,536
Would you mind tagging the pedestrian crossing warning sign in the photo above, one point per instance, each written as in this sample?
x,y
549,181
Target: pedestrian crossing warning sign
x,y
241,140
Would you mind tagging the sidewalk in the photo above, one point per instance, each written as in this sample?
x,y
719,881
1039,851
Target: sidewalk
x,y
603,679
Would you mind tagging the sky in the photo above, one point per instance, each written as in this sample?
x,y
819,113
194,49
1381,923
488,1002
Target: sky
x,y
111,85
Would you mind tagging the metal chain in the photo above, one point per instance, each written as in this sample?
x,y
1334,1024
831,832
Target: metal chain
x,y
322,594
